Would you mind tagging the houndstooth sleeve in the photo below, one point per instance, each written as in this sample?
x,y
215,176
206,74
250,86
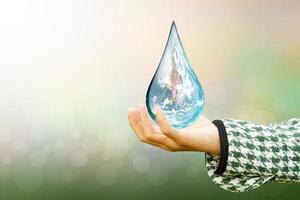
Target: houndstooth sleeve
x,y
253,154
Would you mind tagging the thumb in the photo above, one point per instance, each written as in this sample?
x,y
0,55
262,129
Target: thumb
x,y
165,127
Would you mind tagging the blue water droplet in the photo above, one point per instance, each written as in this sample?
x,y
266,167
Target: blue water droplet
x,y
174,86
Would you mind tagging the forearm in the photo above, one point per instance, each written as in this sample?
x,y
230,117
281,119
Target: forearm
x,y
208,141
213,146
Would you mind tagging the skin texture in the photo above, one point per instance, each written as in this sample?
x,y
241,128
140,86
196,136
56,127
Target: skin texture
x,y
202,136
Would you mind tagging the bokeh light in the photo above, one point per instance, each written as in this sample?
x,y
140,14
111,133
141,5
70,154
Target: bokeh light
x,y
70,69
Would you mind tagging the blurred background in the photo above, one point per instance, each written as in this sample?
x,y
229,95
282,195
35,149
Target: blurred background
x,y
70,69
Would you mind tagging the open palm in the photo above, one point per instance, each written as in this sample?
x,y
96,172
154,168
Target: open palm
x,y
201,136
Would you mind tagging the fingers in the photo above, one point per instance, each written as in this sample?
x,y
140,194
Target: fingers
x,y
160,141
138,126
146,124
141,124
134,123
165,127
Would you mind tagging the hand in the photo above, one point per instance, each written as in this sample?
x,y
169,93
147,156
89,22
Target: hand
x,y
201,136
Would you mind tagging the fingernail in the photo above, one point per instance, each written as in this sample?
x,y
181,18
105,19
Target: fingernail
x,y
130,109
141,105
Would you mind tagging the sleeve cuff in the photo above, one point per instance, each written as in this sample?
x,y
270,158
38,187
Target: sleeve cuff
x,y
223,147
237,169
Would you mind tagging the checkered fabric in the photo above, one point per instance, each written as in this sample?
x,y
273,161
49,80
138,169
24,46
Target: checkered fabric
x,y
258,154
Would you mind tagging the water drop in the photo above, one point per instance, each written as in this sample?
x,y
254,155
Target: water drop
x,y
174,86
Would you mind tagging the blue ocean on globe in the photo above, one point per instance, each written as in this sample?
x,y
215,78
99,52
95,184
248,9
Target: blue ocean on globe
x,y
175,87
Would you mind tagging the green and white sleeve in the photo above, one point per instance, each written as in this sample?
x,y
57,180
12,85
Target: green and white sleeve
x,y
253,154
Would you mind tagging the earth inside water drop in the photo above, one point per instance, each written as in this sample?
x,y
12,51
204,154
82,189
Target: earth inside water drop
x,y
175,87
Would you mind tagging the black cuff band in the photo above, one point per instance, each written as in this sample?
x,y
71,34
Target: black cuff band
x,y
223,146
